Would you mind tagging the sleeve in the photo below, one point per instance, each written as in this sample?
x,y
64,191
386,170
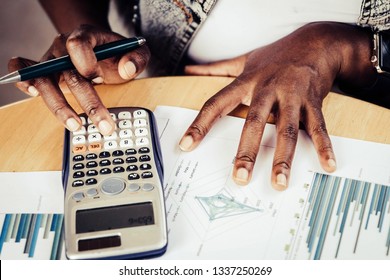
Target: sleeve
x,y
375,14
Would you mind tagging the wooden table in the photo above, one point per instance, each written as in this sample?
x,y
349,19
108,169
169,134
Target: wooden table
x,y
31,139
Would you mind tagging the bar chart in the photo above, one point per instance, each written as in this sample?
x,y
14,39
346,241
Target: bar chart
x,y
344,219
31,236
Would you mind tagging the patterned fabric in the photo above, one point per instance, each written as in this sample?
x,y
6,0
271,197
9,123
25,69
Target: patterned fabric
x,y
375,14
169,26
169,37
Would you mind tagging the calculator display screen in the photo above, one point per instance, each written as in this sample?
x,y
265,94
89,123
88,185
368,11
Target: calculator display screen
x,y
114,217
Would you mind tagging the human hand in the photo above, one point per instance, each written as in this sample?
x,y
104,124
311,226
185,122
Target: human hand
x,y
289,80
79,45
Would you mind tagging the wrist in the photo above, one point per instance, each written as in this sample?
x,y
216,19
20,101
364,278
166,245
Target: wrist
x,y
355,47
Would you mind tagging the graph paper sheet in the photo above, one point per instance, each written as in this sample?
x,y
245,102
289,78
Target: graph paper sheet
x,y
344,215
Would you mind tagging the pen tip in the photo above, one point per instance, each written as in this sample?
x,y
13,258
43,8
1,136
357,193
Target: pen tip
x,y
10,78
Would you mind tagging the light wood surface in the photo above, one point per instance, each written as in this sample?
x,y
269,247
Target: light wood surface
x,y
31,139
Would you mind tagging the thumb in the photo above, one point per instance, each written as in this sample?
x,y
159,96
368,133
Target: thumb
x,y
230,68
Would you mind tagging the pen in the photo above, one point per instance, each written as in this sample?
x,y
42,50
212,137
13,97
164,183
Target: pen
x,y
64,62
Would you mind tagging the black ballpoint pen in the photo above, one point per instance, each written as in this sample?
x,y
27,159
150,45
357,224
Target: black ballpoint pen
x,y
64,62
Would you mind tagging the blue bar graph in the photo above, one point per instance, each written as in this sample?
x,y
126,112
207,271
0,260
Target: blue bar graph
x,y
31,228
346,214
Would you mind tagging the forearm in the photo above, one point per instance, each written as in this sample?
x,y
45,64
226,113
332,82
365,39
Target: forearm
x,y
67,15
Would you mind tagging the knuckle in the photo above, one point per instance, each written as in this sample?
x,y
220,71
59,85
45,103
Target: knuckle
x,y
92,108
74,41
210,105
318,129
141,58
74,79
281,164
325,148
290,132
246,156
58,107
255,119
199,129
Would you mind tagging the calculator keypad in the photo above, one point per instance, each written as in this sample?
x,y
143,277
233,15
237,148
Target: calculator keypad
x,y
126,154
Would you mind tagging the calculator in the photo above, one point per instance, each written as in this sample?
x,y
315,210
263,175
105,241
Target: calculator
x,y
114,204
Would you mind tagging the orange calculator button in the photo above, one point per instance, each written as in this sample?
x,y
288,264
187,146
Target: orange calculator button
x,y
79,149
95,147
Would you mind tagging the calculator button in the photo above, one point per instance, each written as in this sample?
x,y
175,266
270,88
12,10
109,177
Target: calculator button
x,y
117,161
142,141
138,132
92,192
113,116
145,166
94,147
81,131
78,158
78,139
79,149
113,136
124,124
105,162
119,169
78,166
125,133
112,186
147,175
144,158
131,168
133,176
104,154
140,123
78,174
92,164
118,153
148,187
143,150
92,129
78,183
131,152
134,187
110,145
91,181
124,115
139,114
105,171
94,137
83,121
91,156
125,143
91,173
78,196
131,159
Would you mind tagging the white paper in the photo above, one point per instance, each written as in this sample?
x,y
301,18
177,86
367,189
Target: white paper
x,y
209,217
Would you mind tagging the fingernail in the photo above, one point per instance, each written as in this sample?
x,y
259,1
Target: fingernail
x,y
33,91
72,124
128,70
242,176
105,127
332,163
281,180
186,143
98,80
